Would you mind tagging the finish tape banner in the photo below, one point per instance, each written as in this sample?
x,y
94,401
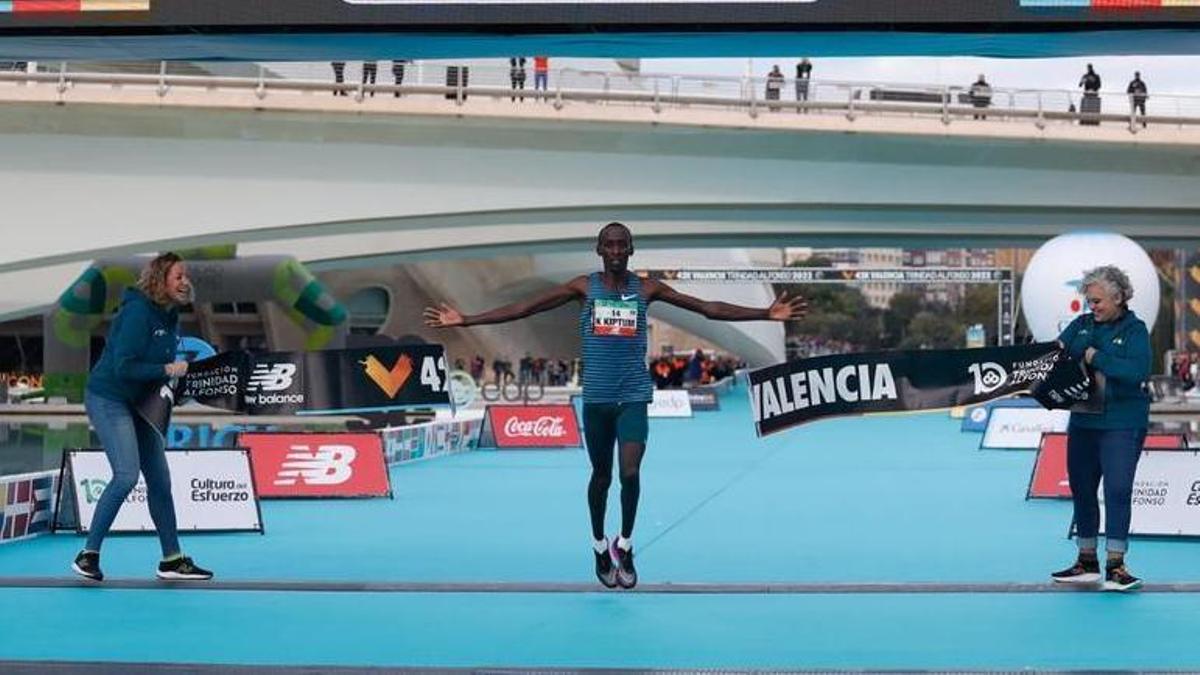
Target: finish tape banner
x,y
792,393
321,382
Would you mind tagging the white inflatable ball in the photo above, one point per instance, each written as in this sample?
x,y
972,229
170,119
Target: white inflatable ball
x,y
1050,293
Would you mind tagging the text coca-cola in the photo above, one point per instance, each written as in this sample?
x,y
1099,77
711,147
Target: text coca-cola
x,y
531,426
543,427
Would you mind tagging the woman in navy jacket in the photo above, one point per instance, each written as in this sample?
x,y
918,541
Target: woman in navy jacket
x,y
138,357
1115,343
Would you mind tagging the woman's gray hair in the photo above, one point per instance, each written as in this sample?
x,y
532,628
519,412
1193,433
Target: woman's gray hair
x,y
1113,278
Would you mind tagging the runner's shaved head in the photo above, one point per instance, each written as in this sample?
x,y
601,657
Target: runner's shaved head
x,y
614,226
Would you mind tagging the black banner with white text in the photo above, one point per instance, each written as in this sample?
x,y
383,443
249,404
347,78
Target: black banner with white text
x,y
796,392
330,381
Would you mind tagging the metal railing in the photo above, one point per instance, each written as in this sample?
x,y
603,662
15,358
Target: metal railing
x,y
659,92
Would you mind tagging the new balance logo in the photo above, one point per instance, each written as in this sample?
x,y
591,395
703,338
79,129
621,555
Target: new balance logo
x,y
271,377
327,465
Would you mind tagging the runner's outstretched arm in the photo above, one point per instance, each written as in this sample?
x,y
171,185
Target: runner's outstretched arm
x,y
782,309
445,316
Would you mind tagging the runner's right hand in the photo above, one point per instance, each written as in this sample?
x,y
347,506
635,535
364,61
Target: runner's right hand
x,y
442,316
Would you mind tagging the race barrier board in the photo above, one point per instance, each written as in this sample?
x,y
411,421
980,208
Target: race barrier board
x,y
431,439
1021,428
670,403
975,417
1048,480
213,490
294,465
703,399
1166,495
530,426
27,504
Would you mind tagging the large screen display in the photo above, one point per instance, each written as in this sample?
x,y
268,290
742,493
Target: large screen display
x,y
177,16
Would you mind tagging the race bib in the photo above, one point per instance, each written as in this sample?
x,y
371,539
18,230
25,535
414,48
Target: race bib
x,y
614,317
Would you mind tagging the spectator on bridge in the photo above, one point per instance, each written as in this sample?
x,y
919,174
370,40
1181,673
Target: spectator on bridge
x,y
1089,105
774,86
398,73
1137,96
516,77
541,73
981,96
803,74
339,76
1090,81
370,70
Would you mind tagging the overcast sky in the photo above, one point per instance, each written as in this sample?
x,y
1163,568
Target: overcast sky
x,y
1162,74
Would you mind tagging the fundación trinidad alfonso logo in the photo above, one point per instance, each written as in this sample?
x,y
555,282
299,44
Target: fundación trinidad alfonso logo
x,y
390,380
72,6
989,376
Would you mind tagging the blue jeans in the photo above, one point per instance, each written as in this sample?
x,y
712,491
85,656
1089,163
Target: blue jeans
x,y
131,443
1113,454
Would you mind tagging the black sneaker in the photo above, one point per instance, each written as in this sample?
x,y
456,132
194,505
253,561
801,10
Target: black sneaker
x,y
606,572
626,574
182,569
87,565
1084,571
1118,578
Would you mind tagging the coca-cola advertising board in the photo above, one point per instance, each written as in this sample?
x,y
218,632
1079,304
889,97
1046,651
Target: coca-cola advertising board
x,y
530,426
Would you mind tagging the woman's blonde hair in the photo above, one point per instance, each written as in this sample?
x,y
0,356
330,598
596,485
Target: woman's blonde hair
x,y
153,279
